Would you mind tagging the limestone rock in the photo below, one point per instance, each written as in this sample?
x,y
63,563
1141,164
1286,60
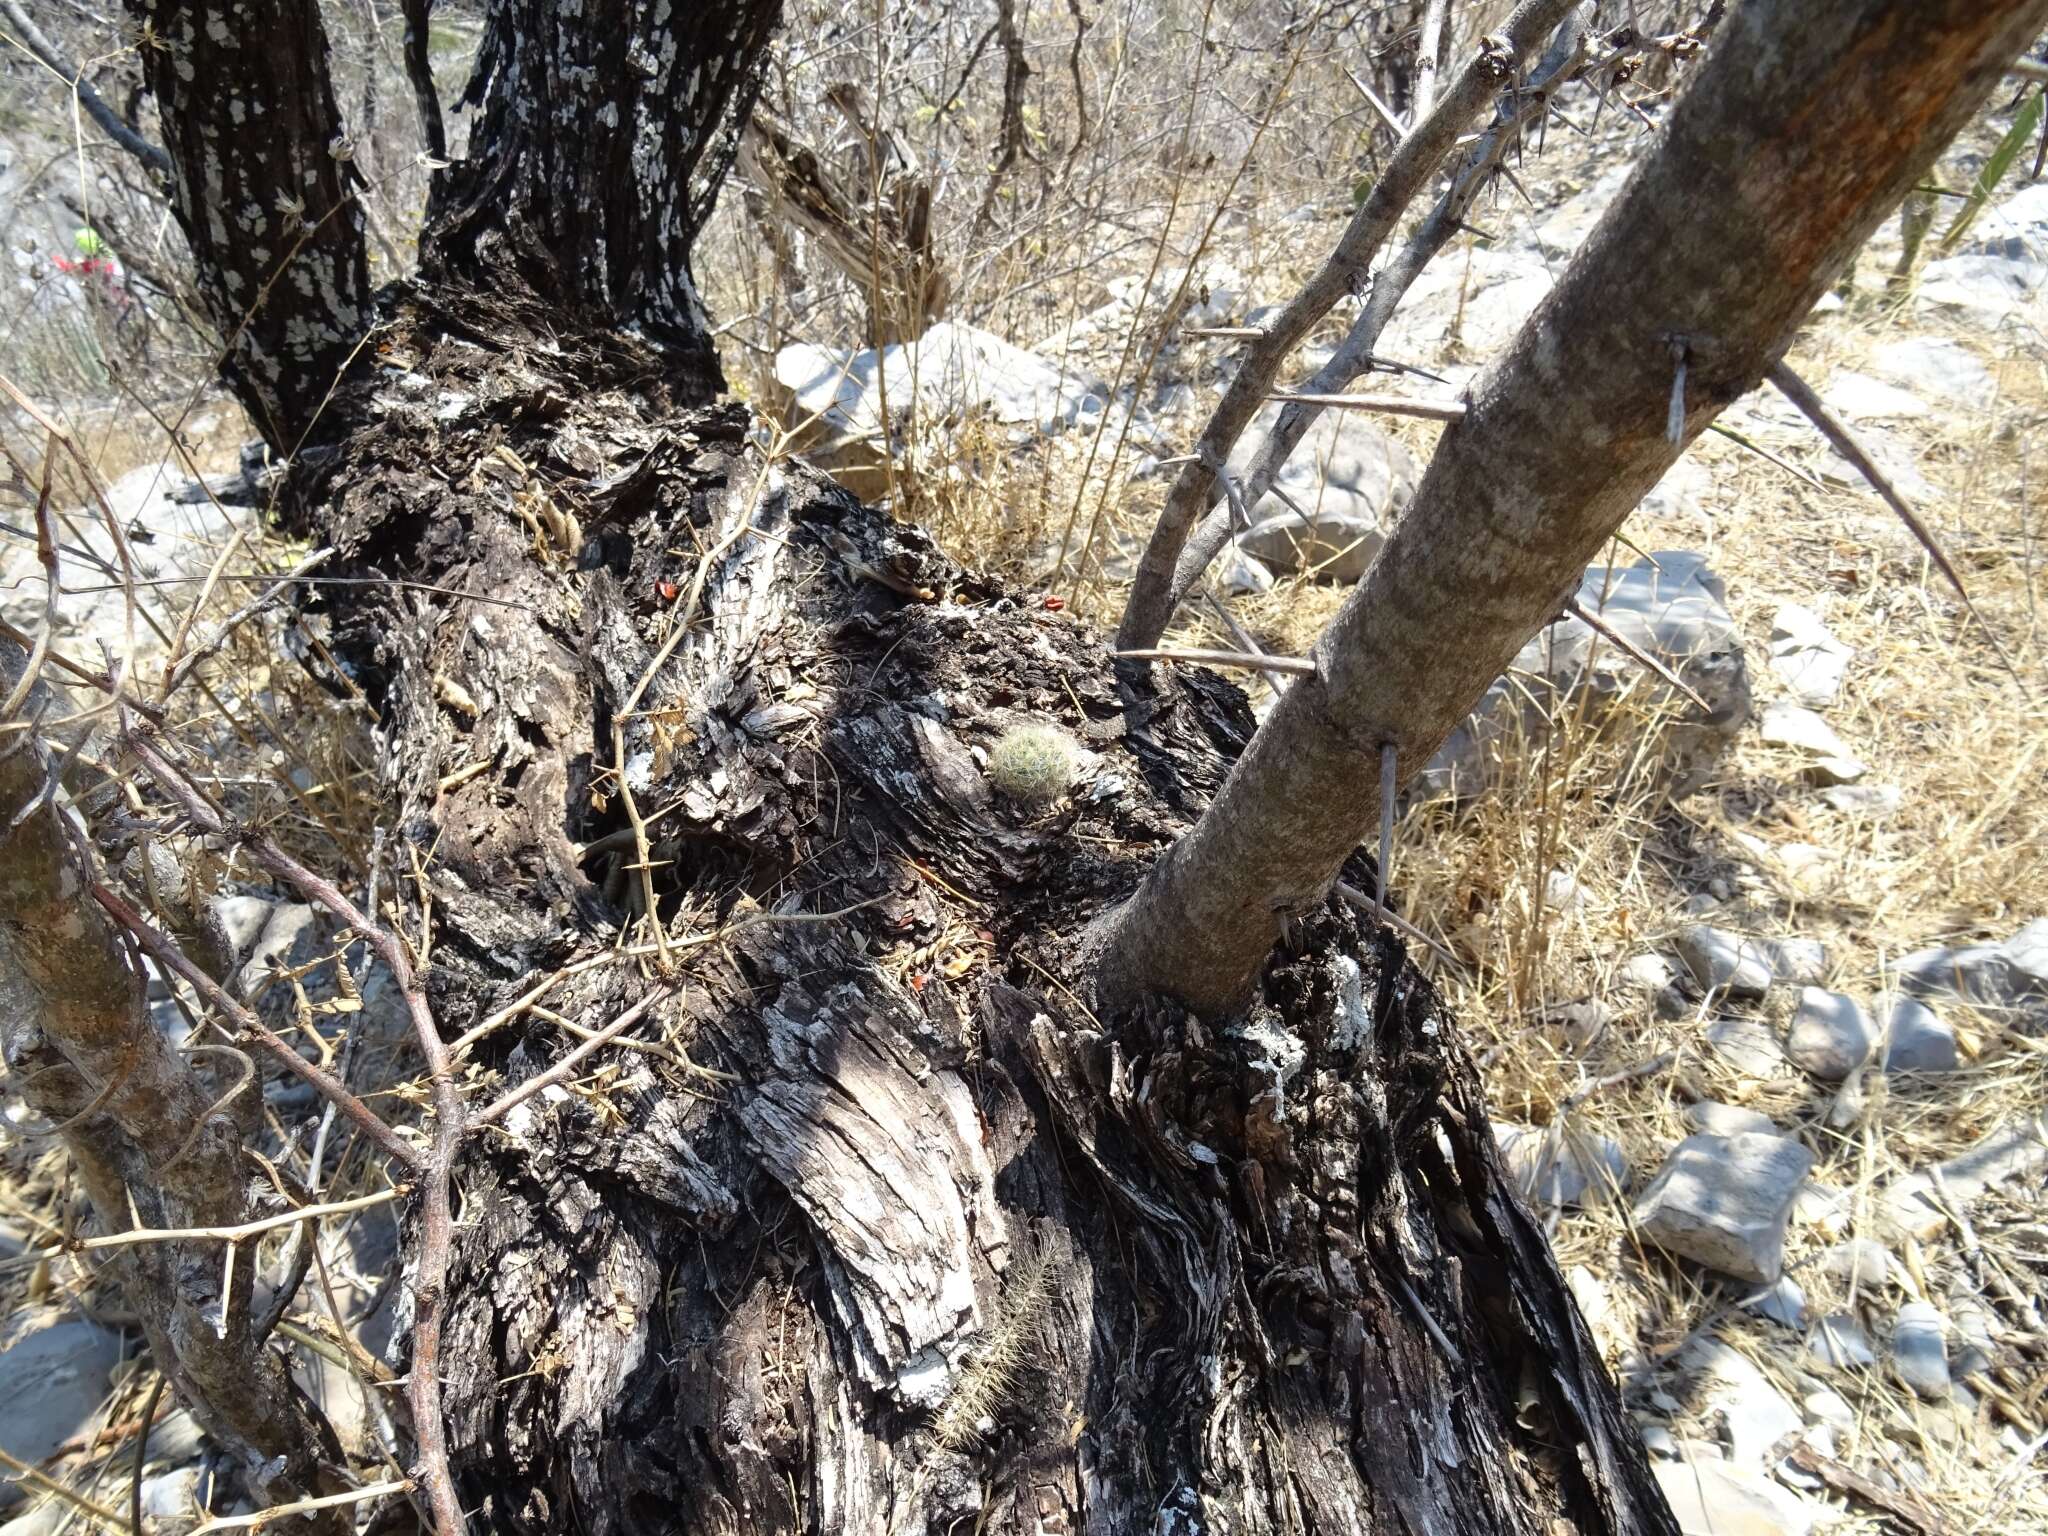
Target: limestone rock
x,y
1919,1351
1831,1036
1671,606
1723,1201
1827,758
1755,1415
1805,653
2008,980
1555,1167
1728,1120
1748,1046
1839,1341
1711,1498
1745,966
1875,801
2012,1151
1916,1038
1862,1265
1346,480
53,1378
1945,371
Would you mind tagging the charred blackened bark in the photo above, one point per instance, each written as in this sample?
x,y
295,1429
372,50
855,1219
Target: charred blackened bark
x,y
606,127
264,189
874,1225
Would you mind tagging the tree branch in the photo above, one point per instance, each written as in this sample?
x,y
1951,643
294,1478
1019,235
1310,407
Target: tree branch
x,y
96,107
1718,247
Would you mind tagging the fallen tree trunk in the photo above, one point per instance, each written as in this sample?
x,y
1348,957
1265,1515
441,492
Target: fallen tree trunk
x,y
875,1225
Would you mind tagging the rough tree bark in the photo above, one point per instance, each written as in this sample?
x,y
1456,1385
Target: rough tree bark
x,y
882,1220
264,191
1803,128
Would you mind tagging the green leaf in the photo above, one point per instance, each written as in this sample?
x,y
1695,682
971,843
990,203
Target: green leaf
x,y
1995,168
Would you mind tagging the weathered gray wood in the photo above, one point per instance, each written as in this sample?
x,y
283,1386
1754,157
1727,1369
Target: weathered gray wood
x,y
1801,130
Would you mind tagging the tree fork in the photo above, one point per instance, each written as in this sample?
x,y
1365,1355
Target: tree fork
x,y
1802,129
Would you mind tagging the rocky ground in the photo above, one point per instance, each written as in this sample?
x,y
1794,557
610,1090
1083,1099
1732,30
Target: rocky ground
x,y
1760,979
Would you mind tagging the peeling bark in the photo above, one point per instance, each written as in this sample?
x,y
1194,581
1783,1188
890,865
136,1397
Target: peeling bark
x,y
879,1227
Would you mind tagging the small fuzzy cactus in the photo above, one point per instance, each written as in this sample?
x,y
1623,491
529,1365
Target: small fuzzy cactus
x,y
1032,764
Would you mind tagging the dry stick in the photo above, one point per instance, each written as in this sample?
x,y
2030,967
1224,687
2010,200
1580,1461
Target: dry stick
x,y
1594,620
278,1512
1392,405
1256,661
1352,896
1274,680
1428,51
1801,394
156,1395
569,1063
50,1485
162,949
436,1212
1355,354
1409,170
237,1234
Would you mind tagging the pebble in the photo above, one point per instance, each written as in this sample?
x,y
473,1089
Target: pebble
x,y
1746,965
1831,1036
1830,1408
1748,1046
1754,1414
1862,1265
1839,1341
1916,1038
1807,656
1914,1205
1919,1355
1875,801
1723,1201
1562,1168
1783,1303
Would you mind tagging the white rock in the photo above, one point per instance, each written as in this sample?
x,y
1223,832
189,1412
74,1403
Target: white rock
x,y
953,370
2009,1152
1919,1351
1831,1036
1745,965
1828,758
1748,1046
1723,1201
1728,1120
1711,1498
1806,654
1783,1303
1672,607
1862,1264
1346,477
172,1495
1828,1407
1944,371
53,1379
1916,1038
1875,801
1755,1415
1862,398
1562,1167
1685,489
